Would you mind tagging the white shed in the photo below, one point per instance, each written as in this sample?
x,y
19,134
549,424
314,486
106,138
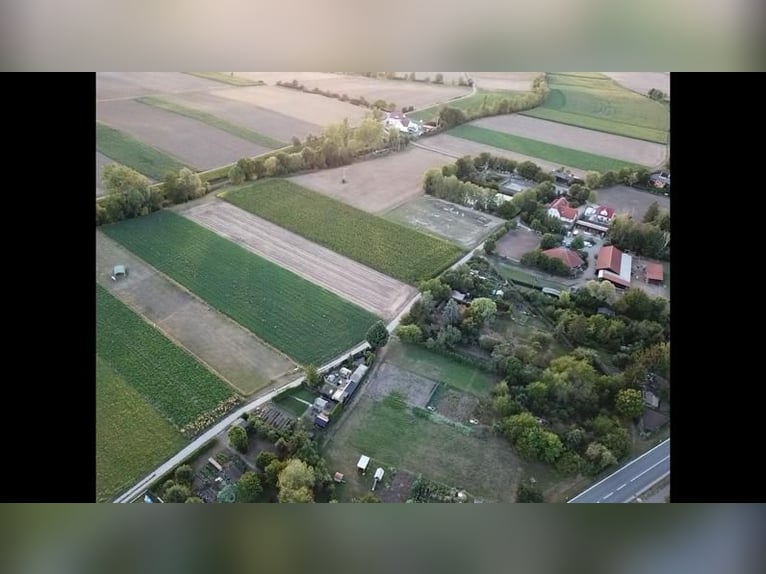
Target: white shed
x,y
363,462
379,474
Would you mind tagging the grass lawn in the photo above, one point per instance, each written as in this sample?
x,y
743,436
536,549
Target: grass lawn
x,y
168,377
549,152
472,104
437,367
133,153
512,272
289,400
597,102
227,78
303,320
388,247
211,120
131,436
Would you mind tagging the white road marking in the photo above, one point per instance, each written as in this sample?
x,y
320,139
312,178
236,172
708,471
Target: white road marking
x,y
650,468
623,486
608,495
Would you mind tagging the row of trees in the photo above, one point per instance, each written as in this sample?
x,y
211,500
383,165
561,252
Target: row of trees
x,y
541,261
640,238
356,101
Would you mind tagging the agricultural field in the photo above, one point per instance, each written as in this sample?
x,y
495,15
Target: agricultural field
x,y
308,323
398,251
131,436
596,102
609,145
195,143
450,78
512,81
127,150
170,379
642,82
311,108
400,92
214,121
455,147
228,349
376,185
629,200
559,155
462,225
126,85
470,105
361,285
101,162
267,122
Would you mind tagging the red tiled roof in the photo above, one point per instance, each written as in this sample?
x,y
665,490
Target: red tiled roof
x,y
654,272
562,206
609,258
605,211
614,278
569,257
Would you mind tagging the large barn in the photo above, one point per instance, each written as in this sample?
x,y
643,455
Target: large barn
x,y
614,266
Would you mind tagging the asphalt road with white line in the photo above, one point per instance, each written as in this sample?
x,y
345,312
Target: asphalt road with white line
x,y
631,480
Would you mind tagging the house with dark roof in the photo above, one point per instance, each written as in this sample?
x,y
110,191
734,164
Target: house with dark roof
x,y
565,177
560,209
614,266
569,257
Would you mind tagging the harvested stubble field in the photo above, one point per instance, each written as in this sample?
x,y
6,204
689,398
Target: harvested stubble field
x,y
392,249
455,147
600,143
268,122
308,323
463,225
513,81
596,102
230,350
628,200
361,285
400,92
126,85
195,143
376,185
170,379
311,108
562,156
133,153
642,82
131,436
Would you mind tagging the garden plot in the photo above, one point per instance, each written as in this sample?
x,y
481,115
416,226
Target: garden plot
x,y
126,85
311,108
466,227
591,141
361,285
269,122
197,144
376,185
245,361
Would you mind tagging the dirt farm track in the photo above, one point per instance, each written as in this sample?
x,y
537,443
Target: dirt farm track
x,y
361,285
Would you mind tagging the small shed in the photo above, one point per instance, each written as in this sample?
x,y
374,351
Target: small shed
x,y
377,478
338,477
319,404
214,462
361,466
655,273
321,420
337,396
359,373
119,271
344,372
459,297
327,390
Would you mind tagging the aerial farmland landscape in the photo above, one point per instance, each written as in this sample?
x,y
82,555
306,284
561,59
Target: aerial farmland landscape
x,y
398,287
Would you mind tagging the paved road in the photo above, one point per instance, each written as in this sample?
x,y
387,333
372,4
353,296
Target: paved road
x,y
632,479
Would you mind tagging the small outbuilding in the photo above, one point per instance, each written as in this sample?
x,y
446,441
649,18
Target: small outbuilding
x,y
654,273
359,373
320,404
361,466
321,420
118,272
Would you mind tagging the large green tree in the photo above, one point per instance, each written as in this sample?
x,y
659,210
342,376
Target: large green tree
x,y
248,487
629,403
176,493
238,438
483,309
296,482
184,474
409,333
377,335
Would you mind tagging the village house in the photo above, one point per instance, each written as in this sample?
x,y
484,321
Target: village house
x,y
596,219
402,123
560,209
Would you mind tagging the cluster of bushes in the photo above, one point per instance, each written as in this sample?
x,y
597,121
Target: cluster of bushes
x,y
450,188
649,239
541,261
360,101
424,490
412,77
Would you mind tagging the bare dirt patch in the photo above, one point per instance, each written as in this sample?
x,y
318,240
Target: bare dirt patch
x,y
125,85
237,355
516,243
389,378
455,405
628,200
310,108
376,185
591,141
101,162
515,81
454,147
193,142
463,225
361,285
261,120
400,92
642,82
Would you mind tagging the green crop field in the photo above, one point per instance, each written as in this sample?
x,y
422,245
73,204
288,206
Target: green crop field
x,y
173,381
597,102
306,322
549,152
131,436
211,120
388,247
133,153
440,368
